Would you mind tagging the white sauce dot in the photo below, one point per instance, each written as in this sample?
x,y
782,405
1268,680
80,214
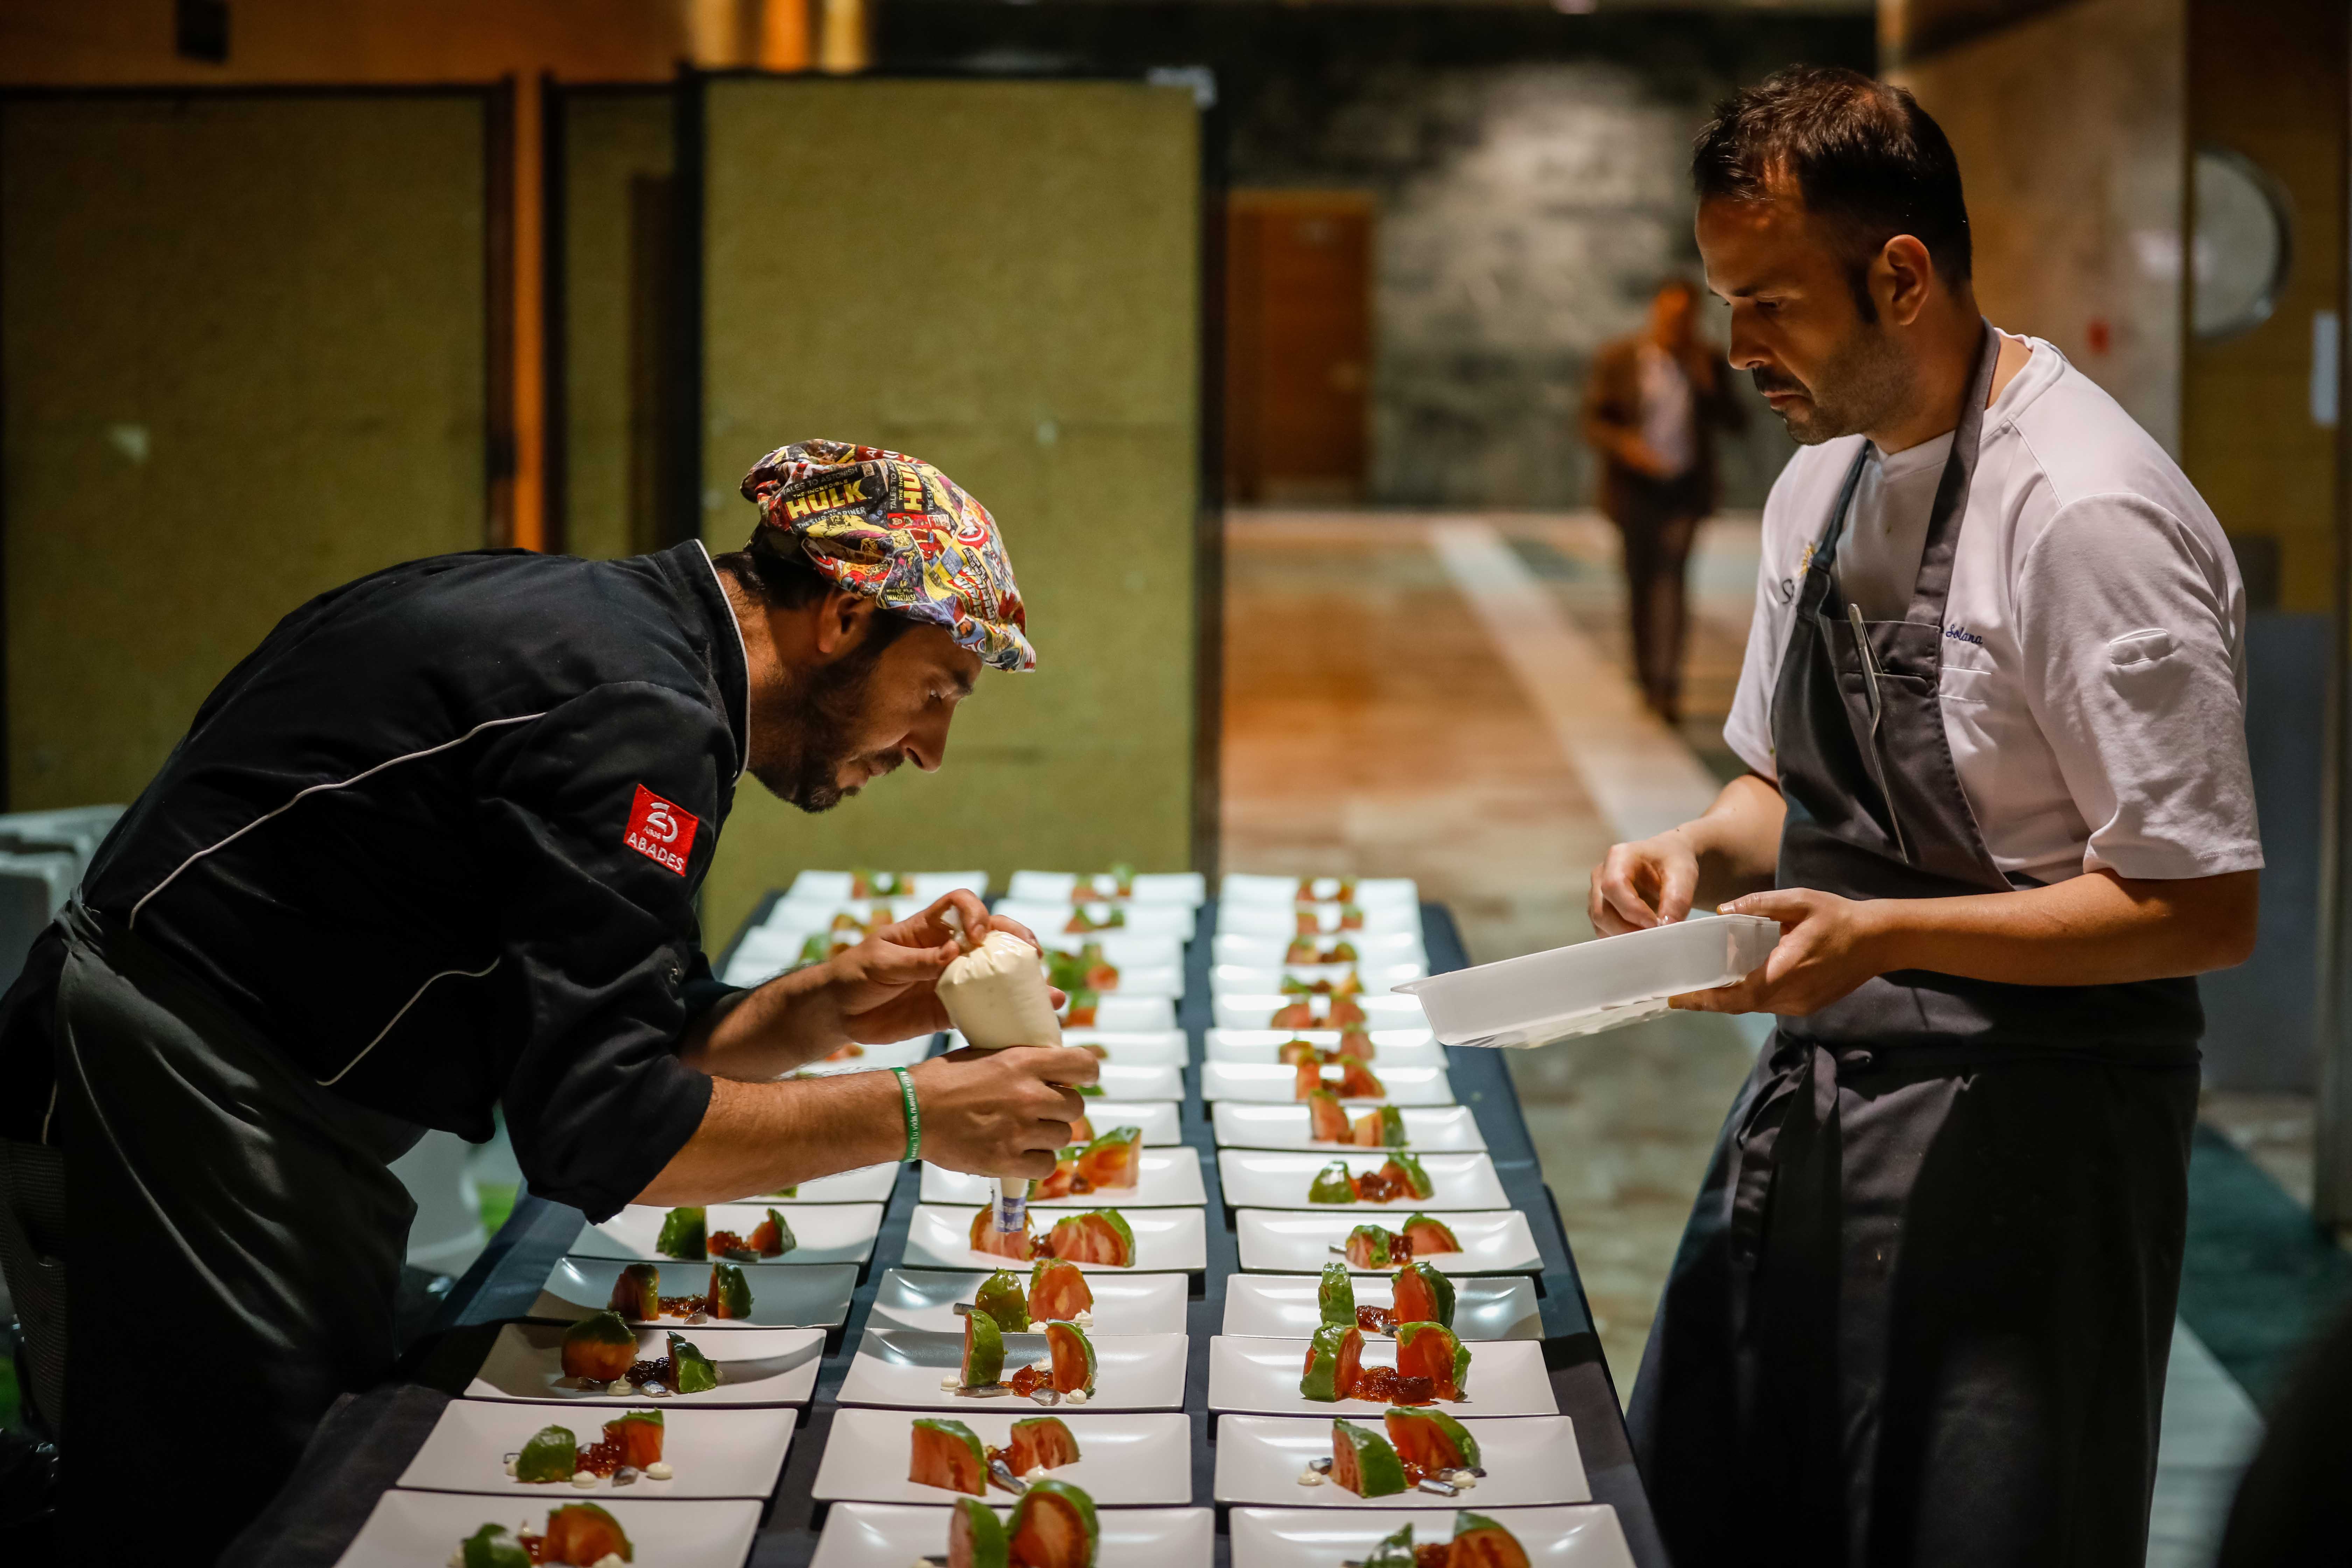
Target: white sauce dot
x,y
510,1467
1076,1396
618,1385
1309,1478
584,1479
659,1470
951,1381
1036,1473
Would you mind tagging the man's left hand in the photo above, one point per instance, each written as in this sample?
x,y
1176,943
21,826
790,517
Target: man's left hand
x,y
885,987
1828,946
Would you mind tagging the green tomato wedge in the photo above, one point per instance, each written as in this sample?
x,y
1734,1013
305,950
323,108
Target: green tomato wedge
x,y
730,1293
948,1454
1393,1552
1073,1356
1332,1185
552,1454
975,1535
785,1239
693,1370
682,1235
1449,1348
650,1418
1001,1297
1090,1090
1370,1247
1362,1461
1479,1540
1392,1127
494,1546
1417,1180
1337,1297
638,1292
984,1350
1055,1522
1455,1433
1320,1378
1425,1294
1421,1221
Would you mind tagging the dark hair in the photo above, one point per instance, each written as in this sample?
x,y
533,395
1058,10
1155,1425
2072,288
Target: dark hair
x,y
781,577
1864,156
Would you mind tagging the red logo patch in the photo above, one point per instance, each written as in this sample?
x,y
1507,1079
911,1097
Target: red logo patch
x,y
660,831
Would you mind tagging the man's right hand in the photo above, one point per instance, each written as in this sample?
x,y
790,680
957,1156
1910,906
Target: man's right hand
x,y
1646,883
1002,1113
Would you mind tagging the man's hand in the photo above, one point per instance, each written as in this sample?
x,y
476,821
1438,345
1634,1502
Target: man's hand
x,y
1002,1113
1828,946
1643,884
884,989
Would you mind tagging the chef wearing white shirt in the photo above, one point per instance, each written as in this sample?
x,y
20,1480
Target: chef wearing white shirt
x,y
2000,804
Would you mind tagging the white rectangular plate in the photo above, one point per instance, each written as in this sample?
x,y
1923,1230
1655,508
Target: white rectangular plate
x,y
1155,919
1278,1084
1272,951
1282,920
814,1297
1186,887
1261,1375
826,1233
810,886
1431,1128
1124,1303
1286,1306
870,1058
711,1453
902,1368
1249,888
1382,1010
1161,1119
1413,1048
1282,1243
1137,981
1166,1240
412,1528
1118,1082
1268,1179
1118,1011
1127,1458
756,1366
1585,1537
1150,949
1528,1461
1250,980
1170,1178
892,1535
1128,1047
868,1184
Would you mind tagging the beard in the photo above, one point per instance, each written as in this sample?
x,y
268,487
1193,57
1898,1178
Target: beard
x,y
818,713
1866,384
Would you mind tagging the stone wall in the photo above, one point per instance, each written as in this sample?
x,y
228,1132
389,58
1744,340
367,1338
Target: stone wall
x,y
1529,168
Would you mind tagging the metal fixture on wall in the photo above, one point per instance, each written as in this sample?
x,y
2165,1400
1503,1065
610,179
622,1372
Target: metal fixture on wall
x,y
2241,244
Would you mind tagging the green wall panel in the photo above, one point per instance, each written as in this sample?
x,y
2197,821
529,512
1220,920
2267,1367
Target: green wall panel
x,y
1003,279
242,350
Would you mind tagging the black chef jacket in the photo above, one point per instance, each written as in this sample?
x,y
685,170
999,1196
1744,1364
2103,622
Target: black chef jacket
x,y
438,840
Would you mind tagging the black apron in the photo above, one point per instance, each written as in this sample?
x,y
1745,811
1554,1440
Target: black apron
x,y
1921,1311
216,1202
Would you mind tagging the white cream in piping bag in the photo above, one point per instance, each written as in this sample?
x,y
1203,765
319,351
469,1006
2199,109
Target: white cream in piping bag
x,y
996,995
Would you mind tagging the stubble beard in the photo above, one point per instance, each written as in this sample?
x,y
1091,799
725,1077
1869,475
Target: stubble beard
x,y
818,714
1865,385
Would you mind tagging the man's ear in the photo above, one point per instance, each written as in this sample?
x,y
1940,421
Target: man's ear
x,y
842,620
1902,278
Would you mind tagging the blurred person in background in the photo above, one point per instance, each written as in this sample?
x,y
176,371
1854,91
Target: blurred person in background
x,y
1651,409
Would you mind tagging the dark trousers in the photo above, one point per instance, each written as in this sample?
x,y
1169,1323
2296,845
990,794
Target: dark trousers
x,y
1657,519
231,1256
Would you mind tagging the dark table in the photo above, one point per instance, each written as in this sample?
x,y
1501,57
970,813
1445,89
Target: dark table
x,y
364,1445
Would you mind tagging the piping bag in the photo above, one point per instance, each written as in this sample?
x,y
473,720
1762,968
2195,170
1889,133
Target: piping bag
x,y
996,995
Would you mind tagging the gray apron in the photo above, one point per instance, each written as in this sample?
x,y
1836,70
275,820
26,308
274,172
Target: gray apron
x,y
1921,1311
216,1201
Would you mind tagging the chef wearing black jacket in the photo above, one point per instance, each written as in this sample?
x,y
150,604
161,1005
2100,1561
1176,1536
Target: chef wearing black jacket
x,y
1993,707
434,846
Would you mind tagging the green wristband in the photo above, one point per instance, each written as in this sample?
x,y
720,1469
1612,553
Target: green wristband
x,y
914,1115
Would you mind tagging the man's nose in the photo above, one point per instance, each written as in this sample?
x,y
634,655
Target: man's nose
x,y
926,745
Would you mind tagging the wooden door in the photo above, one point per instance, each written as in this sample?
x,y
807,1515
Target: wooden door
x,y
1298,346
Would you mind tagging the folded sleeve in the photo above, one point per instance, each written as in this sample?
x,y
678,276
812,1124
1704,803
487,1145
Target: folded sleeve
x,y
601,819
2129,623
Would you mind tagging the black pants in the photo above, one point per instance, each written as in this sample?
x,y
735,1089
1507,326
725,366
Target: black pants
x,y
1658,520
233,1249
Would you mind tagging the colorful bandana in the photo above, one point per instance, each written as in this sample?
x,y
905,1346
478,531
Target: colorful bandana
x,y
900,531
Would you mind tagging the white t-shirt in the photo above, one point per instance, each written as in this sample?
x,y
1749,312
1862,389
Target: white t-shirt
x,y
2093,663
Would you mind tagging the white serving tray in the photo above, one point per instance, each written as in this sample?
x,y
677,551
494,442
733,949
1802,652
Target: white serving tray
x,y
866,1185
902,1368
1280,1242
1261,1376
1166,1241
1382,1010
756,1366
811,1298
407,1529
826,1232
1276,1083
1189,889
1282,920
1153,949
1121,1013
1138,1047
1124,1303
1118,1082
1428,1129
1579,1537
1245,887
1255,951
1163,919
1245,980
1161,1121
1269,1179
1390,1047
810,886
1138,982
1288,1306
711,1453
1592,985
1125,1458
892,1535
1530,1460
1170,1178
